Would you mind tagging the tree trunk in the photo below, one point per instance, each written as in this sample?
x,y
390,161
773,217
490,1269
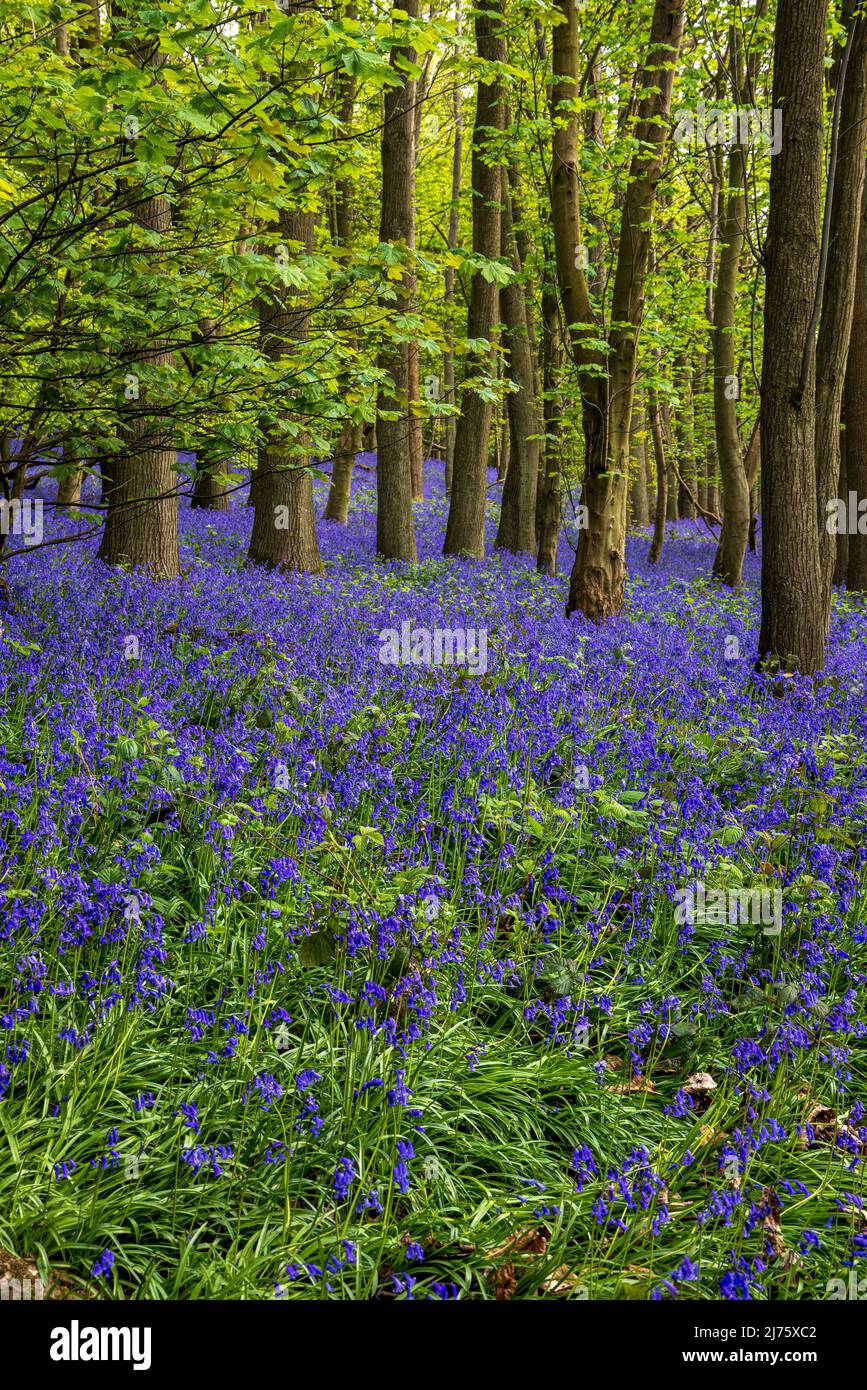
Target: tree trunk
x,y
687,484
517,529
738,529
414,425
454,219
598,575
349,440
841,551
751,467
649,473
140,486
839,290
855,413
793,611
656,435
548,499
69,489
284,523
465,531
638,491
395,536
344,206
340,491
729,559
210,483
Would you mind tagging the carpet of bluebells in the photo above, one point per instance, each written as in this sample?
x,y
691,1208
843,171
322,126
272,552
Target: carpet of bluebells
x,y
323,978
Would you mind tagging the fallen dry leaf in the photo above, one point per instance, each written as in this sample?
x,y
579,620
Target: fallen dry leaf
x,y
560,1282
632,1087
771,1222
532,1241
699,1083
828,1128
26,1274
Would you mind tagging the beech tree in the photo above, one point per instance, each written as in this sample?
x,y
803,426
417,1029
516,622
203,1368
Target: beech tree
x,y
608,375
395,537
284,524
855,413
140,484
465,531
793,606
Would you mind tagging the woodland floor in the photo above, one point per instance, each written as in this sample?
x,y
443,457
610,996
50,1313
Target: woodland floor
x,y
323,977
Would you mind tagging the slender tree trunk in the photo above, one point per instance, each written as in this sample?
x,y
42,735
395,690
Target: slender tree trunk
x,y
687,484
751,467
672,505
855,413
598,575
454,220
649,472
395,536
738,529
504,450
841,554
349,441
414,402
839,291
729,560
340,491
793,610
210,484
711,466
548,501
284,522
69,489
344,202
638,490
517,529
210,481
414,425
656,435
465,531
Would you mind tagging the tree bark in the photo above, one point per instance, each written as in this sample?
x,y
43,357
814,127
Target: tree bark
x,y
738,528
395,535
140,487
841,550
548,498
855,412
349,440
517,529
659,518
839,291
598,575
69,489
343,464
638,490
284,522
465,530
729,559
454,219
793,610
210,482
687,483
649,472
